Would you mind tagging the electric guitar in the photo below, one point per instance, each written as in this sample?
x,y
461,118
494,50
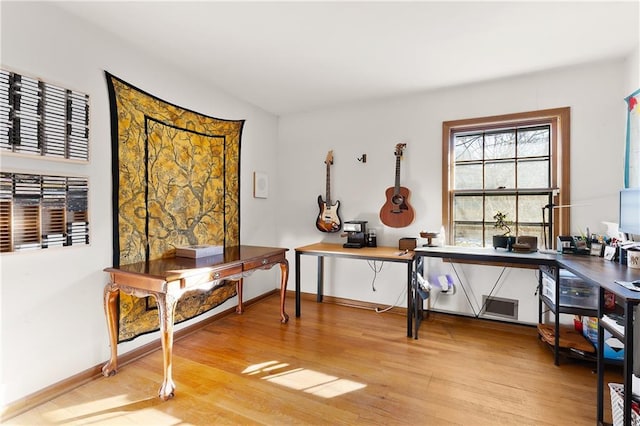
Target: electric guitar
x,y
329,219
396,211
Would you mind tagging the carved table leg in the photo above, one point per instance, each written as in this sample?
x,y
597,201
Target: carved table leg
x,y
284,272
166,310
111,293
239,285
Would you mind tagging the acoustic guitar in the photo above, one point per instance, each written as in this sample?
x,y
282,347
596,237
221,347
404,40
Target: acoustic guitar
x,y
396,211
329,218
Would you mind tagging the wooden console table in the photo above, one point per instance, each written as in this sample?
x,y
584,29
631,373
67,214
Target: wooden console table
x,y
386,254
167,280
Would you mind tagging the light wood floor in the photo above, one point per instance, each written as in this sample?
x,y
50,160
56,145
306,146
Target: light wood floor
x,y
341,365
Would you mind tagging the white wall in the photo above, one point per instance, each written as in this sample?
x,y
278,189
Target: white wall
x,y
595,94
632,77
52,318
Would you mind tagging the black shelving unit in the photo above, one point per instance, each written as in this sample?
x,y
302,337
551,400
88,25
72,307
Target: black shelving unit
x,y
604,274
557,308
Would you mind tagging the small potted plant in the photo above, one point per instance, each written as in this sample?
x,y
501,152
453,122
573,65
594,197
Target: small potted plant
x,y
504,240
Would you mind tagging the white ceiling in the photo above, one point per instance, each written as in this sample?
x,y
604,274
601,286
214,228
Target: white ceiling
x,y
293,56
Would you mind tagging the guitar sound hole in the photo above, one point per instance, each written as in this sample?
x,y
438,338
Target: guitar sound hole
x,y
397,199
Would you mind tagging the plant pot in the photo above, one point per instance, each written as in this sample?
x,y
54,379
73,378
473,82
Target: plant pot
x,y
503,241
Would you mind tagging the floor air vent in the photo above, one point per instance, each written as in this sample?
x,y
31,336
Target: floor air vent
x,y
498,306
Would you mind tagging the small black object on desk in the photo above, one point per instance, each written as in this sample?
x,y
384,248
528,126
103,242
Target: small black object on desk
x,y
355,231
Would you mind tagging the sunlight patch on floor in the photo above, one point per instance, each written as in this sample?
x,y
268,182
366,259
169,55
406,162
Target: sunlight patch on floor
x,y
120,408
258,368
304,379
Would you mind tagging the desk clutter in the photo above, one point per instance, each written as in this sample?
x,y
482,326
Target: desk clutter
x,y
622,251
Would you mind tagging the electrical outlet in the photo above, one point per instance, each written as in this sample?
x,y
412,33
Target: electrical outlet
x,y
444,283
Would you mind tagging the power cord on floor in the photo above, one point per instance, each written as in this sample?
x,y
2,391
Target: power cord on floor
x,y
375,270
388,308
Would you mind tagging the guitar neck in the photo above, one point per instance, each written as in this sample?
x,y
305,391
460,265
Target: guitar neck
x,y
328,196
396,189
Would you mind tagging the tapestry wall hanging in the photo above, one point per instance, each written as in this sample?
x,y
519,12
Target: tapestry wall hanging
x,y
175,183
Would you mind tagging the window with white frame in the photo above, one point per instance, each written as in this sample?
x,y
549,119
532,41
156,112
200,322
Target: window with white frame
x,y
516,164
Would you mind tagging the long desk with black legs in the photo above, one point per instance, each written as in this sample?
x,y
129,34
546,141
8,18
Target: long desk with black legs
x,y
385,254
499,257
594,270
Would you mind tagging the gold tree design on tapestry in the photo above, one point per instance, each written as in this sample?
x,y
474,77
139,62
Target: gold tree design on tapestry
x,y
185,198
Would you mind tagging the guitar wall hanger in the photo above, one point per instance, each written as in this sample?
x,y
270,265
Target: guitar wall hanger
x,y
363,159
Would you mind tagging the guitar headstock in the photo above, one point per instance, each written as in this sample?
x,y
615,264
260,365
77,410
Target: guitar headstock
x,y
399,148
329,159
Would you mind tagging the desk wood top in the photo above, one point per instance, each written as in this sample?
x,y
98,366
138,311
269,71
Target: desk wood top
x,y
171,268
390,254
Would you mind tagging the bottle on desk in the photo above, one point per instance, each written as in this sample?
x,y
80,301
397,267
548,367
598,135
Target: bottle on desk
x,y
372,240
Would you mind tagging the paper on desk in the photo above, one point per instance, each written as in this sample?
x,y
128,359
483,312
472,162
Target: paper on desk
x,y
628,285
612,230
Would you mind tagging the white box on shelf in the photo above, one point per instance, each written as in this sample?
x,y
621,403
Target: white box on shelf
x,y
198,251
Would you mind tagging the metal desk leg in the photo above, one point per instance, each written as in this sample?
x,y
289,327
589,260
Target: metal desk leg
x,y
600,357
412,303
540,295
556,343
320,279
297,285
628,360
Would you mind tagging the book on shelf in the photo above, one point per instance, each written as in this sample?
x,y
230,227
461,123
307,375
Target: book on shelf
x,y
613,348
614,321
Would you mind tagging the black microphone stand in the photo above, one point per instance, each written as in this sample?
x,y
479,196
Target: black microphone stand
x,y
548,242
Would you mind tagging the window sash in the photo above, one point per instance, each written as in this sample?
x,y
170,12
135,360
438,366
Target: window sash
x,y
491,159
473,223
558,190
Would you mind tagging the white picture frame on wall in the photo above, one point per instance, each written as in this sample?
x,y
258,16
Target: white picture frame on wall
x,y
260,185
